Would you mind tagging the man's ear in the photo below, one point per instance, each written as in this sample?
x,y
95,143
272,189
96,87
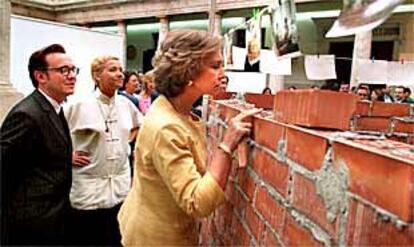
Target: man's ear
x,y
40,76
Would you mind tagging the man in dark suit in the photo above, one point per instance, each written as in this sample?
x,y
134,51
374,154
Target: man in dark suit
x,y
36,155
402,95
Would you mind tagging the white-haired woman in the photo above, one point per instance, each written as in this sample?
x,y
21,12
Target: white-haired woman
x,y
101,127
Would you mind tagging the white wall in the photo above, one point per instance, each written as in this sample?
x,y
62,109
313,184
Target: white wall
x,y
82,44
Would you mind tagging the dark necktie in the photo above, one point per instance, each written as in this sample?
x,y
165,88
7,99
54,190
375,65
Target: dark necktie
x,y
64,123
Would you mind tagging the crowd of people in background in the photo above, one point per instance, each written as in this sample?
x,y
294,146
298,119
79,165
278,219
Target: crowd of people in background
x,y
383,93
399,94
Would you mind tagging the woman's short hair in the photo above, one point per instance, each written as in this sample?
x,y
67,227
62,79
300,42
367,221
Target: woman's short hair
x,y
98,65
146,79
181,58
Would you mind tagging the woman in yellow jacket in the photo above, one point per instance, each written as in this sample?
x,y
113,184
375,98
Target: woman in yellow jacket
x,y
173,186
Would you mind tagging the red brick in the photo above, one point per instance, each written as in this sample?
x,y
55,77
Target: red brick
x,y
204,232
269,239
234,170
246,183
227,240
272,171
270,209
263,203
378,177
363,108
371,123
315,108
230,192
402,125
268,133
264,101
230,232
282,106
215,236
256,226
305,148
223,216
392,149
366,228
278,216
306,200
296,235
239,234
382,109
240,202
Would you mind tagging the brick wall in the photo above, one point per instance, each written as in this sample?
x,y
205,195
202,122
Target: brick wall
x,y
312,187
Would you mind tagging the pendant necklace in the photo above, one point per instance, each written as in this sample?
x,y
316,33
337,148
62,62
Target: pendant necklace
x,y
107,121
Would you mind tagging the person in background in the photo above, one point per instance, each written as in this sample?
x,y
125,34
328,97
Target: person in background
x,y
387,94
148,94
377,95
331,85
224,82
407,95
362,92
252,63
402,94
221,91
131,86
267,90
399,94
173,186
101,126
344,88
36,155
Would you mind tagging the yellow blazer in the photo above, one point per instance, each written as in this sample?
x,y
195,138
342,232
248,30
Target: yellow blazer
x,y
171,186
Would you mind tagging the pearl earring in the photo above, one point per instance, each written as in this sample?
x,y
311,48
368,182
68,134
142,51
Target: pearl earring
x,y
190,83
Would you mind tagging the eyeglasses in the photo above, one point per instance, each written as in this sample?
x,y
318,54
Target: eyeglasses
x,y
65,70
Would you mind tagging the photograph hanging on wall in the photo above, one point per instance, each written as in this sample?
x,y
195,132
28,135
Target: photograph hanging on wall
x,y
284,29
253,44
361,16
